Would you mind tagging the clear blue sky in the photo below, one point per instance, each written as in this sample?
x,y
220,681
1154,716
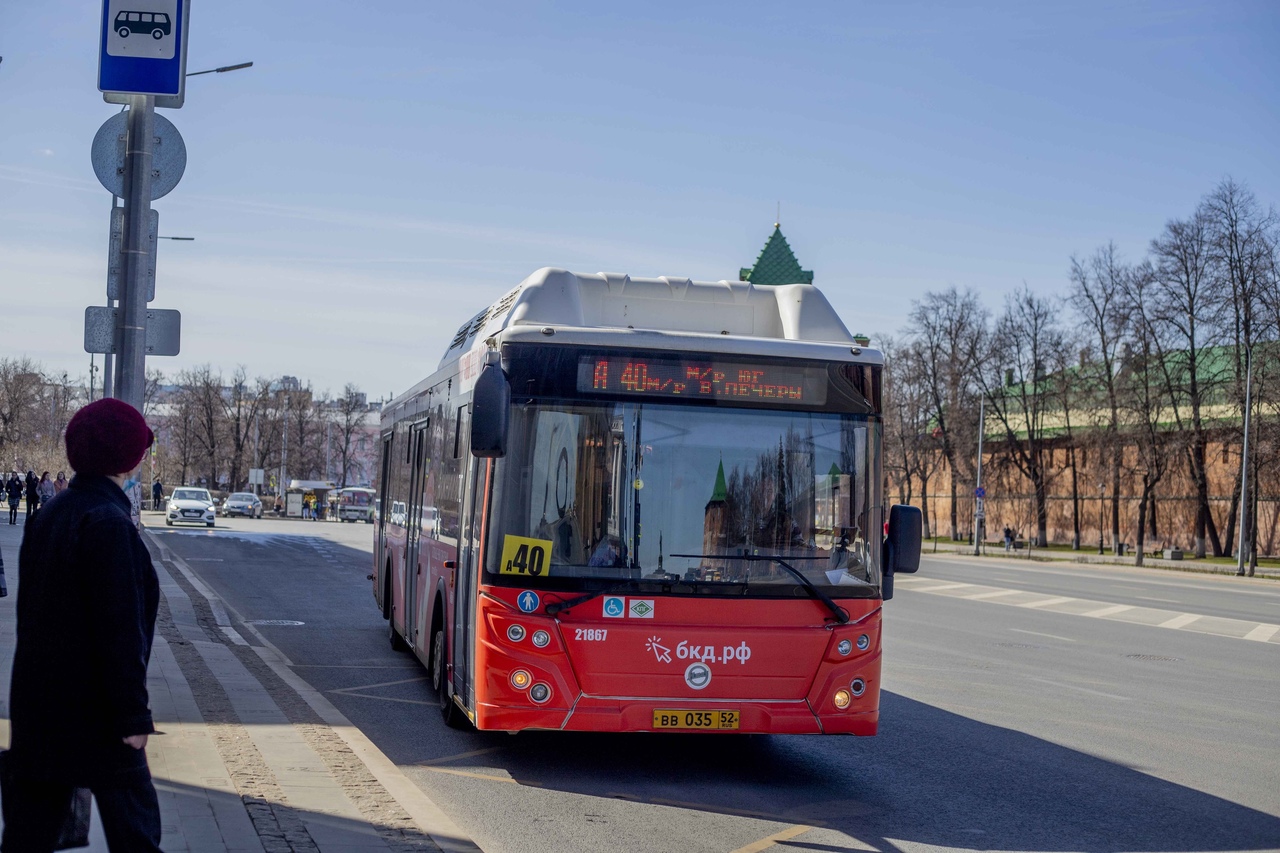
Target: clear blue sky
x,y
386,169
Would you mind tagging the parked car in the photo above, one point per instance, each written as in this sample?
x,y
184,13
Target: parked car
x,y
242,503
190,506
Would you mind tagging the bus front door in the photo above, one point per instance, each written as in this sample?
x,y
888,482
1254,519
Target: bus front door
x,y
413,577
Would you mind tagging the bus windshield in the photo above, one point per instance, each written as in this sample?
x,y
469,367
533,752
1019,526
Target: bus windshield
x,y
355,498
713,498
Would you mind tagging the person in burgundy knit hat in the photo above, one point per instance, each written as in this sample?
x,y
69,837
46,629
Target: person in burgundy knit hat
x,y
79,711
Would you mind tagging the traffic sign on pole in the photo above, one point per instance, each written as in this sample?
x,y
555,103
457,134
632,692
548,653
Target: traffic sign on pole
x,y
115,260
168,155
162,337
143,50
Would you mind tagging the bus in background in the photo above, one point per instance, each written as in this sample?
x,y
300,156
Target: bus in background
x,y
656,506
356,504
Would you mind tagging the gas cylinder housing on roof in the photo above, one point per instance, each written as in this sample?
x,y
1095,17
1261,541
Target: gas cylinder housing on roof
x,y
558,299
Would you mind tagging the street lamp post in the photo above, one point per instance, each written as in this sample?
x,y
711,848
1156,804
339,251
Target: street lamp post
x,y
1102,496
1244,466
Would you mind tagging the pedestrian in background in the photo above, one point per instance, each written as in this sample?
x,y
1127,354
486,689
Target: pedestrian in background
x,y
79,710
157,495
33,494
13,490
60,483
46,489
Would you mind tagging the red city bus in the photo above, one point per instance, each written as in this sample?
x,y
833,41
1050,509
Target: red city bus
x,y
644,505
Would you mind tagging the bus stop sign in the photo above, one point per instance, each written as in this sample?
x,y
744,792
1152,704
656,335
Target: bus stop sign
x,y
143,50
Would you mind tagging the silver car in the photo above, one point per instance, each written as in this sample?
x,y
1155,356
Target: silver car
x,y
242,503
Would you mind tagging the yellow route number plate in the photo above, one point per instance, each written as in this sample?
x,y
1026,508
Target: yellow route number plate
x,y
707,720
524,556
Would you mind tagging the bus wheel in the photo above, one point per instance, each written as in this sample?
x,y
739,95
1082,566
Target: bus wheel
x,y
448,709
397,642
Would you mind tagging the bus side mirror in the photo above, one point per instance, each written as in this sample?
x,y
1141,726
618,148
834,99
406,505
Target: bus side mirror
x,y
902,546
490,411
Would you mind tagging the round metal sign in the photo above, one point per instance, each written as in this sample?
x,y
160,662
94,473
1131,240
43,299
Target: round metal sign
x,y
168,158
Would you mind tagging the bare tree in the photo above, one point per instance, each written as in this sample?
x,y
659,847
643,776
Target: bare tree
x,y
201,406
21,384
241,404
1066,388
1097,293
1144,382
1019,392
350,411
1241,240
950,329
1187,312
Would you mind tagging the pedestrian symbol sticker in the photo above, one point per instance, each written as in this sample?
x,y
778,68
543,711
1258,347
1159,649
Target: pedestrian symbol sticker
x,y
528,601
615,606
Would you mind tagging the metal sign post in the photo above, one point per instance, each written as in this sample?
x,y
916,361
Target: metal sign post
x,y
142,57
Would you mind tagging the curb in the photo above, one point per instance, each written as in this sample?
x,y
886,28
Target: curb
x,y
1192,566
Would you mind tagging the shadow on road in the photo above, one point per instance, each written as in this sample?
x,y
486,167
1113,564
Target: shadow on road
x,y
931,777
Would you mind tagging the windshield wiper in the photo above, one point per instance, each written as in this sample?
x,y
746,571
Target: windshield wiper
x,y
560,606
837,611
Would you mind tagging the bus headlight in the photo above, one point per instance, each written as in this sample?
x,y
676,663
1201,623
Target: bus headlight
x,y
858,687
842,699
863,642
515,633
844,647
520,679
541,639
539,693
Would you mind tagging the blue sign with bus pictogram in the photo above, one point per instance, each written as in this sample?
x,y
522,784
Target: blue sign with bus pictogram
x,y
143,48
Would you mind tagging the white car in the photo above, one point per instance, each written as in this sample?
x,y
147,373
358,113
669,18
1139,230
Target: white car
x,y
192,506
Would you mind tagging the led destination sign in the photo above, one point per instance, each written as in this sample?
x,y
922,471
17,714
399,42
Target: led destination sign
x,y
702,379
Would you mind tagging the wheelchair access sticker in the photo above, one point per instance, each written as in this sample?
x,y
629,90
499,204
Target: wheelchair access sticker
x,y
524,556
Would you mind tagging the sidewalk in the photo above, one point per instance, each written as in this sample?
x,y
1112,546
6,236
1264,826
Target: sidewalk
x,y
1042,555
251,757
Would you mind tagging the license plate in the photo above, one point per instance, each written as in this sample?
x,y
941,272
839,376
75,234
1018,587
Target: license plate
x,y
189,514
707,720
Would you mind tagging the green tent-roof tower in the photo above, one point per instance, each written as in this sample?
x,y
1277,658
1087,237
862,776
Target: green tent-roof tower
x,y
777,264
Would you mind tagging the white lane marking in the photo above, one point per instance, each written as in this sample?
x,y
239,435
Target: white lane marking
x,y
1263,633
234,635
1180,621
1161,600
1081,689
1045,602
998,593
1108,611
941,587
1038,634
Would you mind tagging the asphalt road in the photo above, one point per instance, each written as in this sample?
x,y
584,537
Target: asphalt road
x,y
1014,717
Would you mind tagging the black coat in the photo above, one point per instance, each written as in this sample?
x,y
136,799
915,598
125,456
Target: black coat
x,y
14,489
87,600
33,486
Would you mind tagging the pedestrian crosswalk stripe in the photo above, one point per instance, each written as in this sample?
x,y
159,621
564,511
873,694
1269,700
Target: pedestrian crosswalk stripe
x,y
1108,611
1263,633
1045,602
1180,621
940,587
994,594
